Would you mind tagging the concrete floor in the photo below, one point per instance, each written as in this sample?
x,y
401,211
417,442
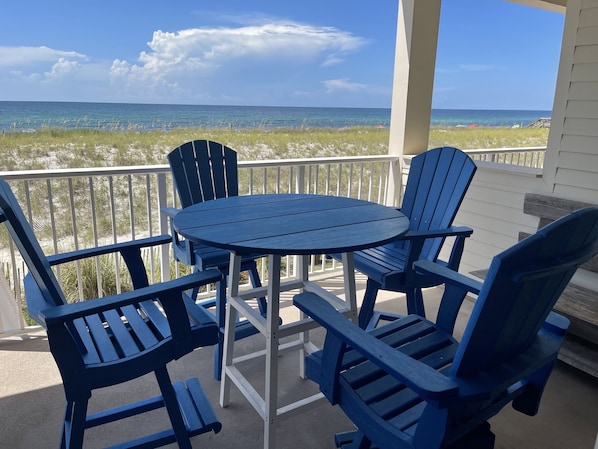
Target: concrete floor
x,y
32,400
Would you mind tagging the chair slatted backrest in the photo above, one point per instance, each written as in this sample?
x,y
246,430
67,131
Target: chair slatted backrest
x,y
515,301
39,267
204,170
437,183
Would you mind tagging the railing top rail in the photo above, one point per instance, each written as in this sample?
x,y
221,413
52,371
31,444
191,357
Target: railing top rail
x,y
82,172
317,161
164,168
505,150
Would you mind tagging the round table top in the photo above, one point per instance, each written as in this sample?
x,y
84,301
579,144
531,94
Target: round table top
x,y
290,224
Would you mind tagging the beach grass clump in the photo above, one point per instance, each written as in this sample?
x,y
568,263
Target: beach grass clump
x,y
486,138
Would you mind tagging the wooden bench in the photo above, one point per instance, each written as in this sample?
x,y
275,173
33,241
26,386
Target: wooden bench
x,y
579,301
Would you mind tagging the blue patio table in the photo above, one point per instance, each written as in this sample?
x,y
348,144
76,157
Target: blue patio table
x,y
281,225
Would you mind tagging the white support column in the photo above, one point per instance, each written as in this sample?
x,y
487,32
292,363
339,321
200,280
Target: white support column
x,y
413,82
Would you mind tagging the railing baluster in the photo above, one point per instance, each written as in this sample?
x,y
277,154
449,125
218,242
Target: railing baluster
x,y
75,237
370,181
114,230
150,231
350,180
164,229
94,227
264,179
131,206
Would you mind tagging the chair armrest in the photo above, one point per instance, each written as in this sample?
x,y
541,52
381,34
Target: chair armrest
x,y
170,212
164,291
71,256
453,231
424,380
182,248
417,240
456,288
445,275
130,252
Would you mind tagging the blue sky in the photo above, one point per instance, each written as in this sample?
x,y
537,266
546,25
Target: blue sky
x,y
492,54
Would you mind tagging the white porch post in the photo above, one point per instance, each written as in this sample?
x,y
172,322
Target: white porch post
x,y
413,82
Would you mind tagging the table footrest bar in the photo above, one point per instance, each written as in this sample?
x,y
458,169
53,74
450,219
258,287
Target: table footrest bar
x,y
296,408
282,349
250,393
250,314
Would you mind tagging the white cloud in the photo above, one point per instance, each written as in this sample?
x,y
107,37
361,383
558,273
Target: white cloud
x,y
343,84
262,61
63,67
192,55
22,56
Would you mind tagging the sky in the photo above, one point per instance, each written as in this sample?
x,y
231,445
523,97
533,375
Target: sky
x,y
492,54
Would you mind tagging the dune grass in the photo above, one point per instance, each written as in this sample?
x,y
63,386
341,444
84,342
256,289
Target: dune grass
x,y
57,148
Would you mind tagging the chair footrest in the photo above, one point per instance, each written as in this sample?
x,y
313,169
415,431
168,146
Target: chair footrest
x,y
198,415
197,412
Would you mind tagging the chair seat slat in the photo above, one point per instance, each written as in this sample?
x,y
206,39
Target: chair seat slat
x,y
90,354
139,327
156,317
101,339
120,333
416,345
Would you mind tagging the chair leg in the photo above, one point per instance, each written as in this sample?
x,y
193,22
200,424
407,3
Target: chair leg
x,y
220,319
73,427
354,439
256,282
480,438
369,300
415,302
173,409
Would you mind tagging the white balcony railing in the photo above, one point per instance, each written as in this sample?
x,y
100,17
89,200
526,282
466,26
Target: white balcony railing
x,y
73,209
527,157
77,208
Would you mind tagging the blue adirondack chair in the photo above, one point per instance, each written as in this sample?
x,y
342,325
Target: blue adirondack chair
x,y
410,384
110,340
438,180
203,170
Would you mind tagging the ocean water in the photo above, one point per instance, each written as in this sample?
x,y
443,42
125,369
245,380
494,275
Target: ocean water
x,y
31,116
